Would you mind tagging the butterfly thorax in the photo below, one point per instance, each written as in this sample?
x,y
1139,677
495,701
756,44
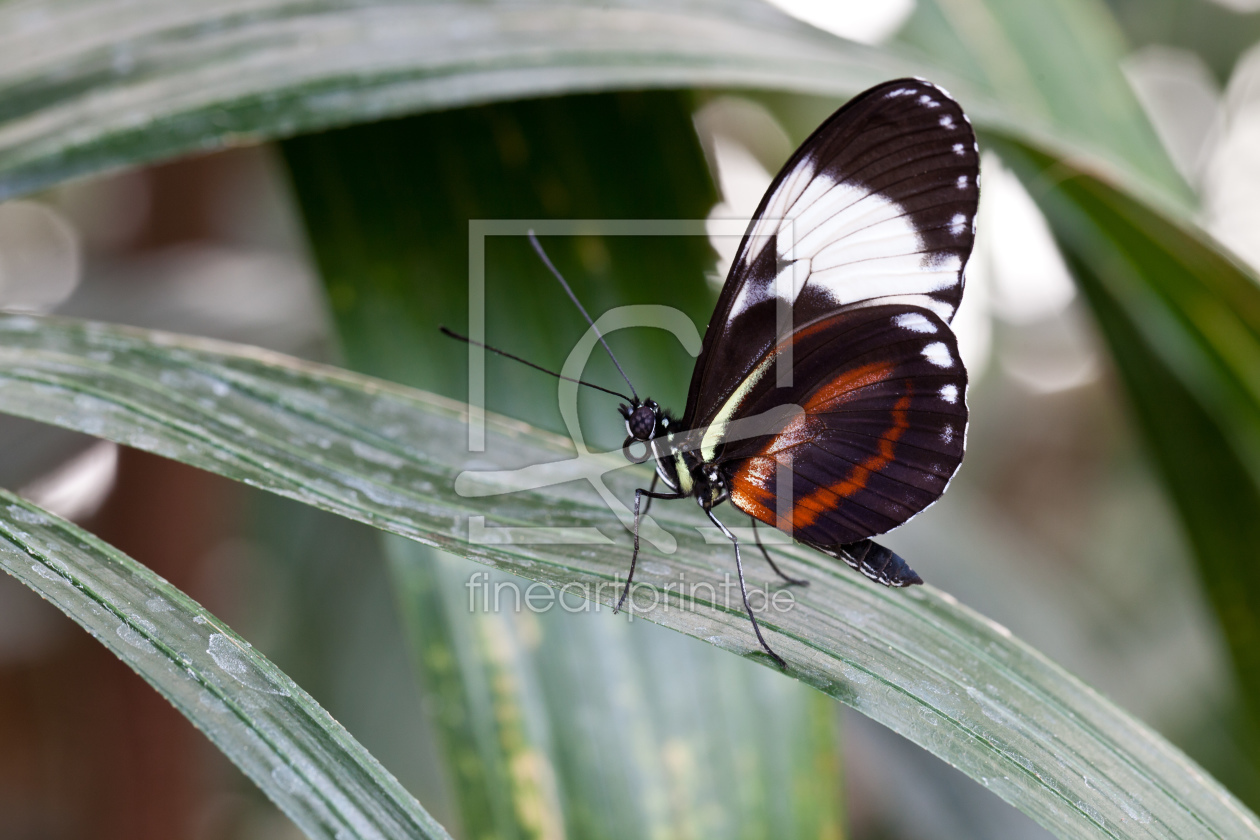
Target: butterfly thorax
x,y
655,433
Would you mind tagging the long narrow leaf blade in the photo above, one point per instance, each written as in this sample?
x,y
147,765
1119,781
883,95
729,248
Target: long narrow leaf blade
x,y
916,661
273,730
91,85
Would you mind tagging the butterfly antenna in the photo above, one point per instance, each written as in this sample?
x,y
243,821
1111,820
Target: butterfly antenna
x,y
468,340
533,240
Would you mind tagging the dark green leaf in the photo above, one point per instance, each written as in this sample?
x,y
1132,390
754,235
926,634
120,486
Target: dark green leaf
x,y
91,85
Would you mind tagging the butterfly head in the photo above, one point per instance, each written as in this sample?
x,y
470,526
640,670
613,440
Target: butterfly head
x,y
644,421
641,419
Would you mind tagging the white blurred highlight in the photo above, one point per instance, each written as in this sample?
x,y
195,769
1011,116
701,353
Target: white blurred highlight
x,y
1182,101
77,489
972,324
40,264
858,20
1240,6
1017,275
1231,177
1028,278
742,180
733,131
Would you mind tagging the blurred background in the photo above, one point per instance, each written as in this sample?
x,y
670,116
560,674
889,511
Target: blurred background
x,y
350,247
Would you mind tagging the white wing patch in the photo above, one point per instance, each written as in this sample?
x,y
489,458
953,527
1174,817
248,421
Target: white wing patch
x,y
947,122
914,322
938,354
958,224
949,393
855,245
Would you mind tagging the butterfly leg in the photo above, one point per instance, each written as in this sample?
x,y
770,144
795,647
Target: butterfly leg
x,y
651,489
634,557
743,589
757,539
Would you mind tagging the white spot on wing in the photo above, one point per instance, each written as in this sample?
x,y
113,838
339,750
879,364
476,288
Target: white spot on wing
x,y
949,393
958,224
947,434
914,322
962,182
900,92
903,274
938,354
960,149
929,101
947,122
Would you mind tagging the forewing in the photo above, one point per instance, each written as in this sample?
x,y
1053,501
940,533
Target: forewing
x,y
876,207
881,431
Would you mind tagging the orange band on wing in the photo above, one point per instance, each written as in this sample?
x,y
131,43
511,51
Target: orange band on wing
x,y
851,380
750,489
750,486
805,512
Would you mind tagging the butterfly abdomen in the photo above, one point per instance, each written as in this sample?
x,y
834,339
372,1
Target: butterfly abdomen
x,y
878,563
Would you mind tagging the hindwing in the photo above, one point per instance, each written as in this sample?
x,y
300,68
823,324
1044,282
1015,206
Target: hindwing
x,y
879,432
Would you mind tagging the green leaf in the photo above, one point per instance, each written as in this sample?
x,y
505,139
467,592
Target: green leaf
x,y
91,85
917,661
1215,32
1058,63
275,732
1183,324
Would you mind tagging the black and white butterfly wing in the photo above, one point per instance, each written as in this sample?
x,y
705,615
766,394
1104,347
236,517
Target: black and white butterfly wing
x,y
862,238
876,207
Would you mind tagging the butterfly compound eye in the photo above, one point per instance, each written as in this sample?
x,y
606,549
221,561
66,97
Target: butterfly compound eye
x,y
641,423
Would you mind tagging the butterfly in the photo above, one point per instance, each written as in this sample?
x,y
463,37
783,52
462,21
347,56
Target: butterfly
x,y
829,398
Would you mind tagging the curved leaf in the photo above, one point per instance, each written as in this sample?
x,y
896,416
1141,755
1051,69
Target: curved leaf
x,y
1183,324
275,732
1060,61
90,85
917,661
